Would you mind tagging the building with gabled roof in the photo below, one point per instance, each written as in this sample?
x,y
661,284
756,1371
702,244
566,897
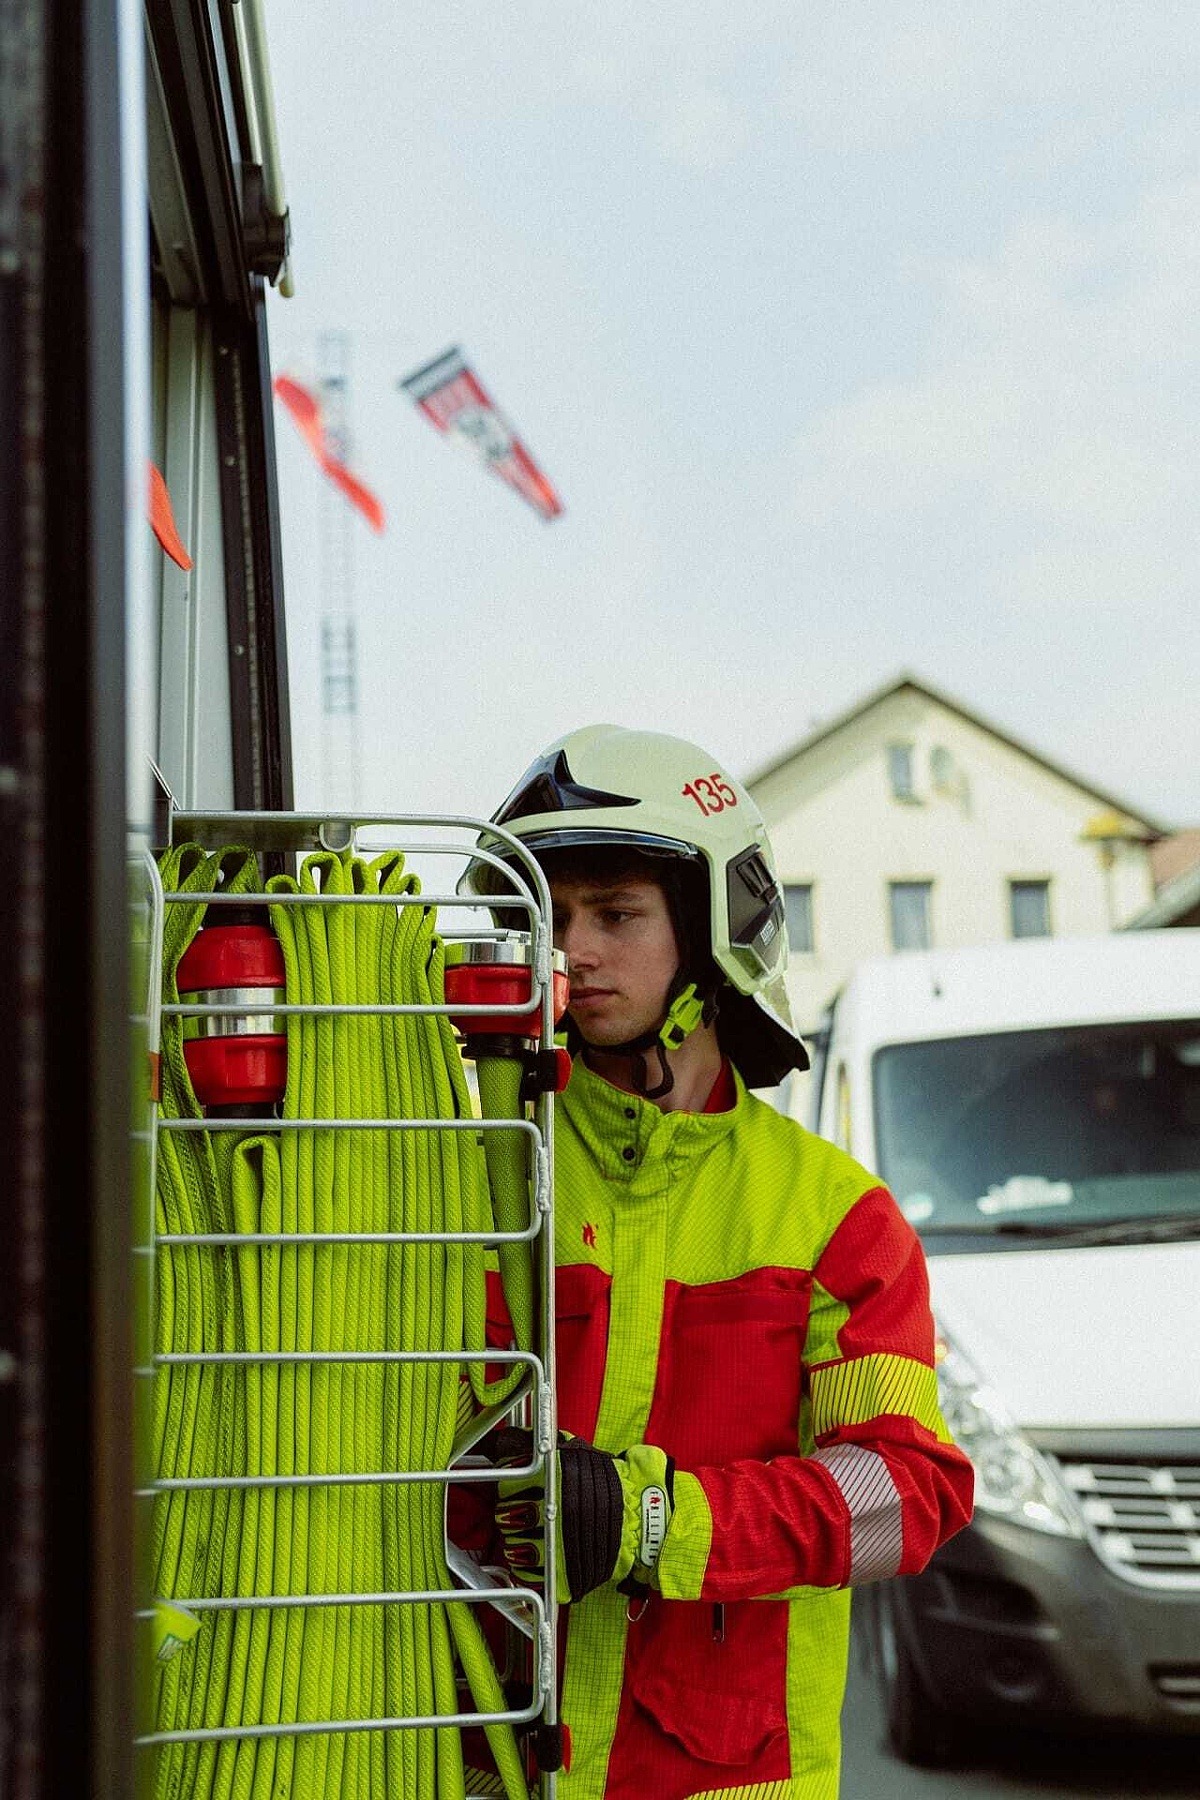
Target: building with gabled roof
x,y
910,821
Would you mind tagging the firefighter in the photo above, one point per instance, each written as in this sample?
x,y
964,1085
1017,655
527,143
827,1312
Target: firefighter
x,y
745,1348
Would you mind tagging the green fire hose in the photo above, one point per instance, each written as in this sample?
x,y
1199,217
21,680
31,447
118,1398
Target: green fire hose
x,y
507,1157
272,1665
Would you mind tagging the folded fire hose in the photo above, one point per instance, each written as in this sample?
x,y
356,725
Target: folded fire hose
x,y
248,1666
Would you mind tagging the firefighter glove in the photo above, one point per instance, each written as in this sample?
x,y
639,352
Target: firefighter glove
x,y
613,1516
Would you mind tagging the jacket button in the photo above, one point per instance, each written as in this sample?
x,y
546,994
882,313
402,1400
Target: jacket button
x,y
629,1153
630,1113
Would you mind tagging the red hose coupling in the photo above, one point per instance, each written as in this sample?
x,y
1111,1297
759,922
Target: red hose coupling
x,y
234,1059
499,972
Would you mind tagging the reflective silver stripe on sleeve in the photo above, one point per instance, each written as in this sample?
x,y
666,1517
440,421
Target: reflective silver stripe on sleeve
x,y
876,1523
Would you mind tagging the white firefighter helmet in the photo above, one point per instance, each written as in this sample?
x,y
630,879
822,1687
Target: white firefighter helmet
x,y
608,787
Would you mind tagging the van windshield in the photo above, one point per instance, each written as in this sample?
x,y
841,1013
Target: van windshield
x,y
1027,1135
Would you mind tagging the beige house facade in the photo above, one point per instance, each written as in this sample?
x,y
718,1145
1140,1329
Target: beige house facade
x,y
911,822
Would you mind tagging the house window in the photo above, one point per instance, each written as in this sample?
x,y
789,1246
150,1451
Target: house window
x,y
910,903
1029,908
900,771
797,900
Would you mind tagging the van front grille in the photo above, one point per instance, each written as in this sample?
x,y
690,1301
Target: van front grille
x,y
1143,1520
1178,1682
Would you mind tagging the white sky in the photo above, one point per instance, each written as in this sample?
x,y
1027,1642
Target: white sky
x,y
857,337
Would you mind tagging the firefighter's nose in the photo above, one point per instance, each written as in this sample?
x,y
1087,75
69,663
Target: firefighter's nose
x,y
578,944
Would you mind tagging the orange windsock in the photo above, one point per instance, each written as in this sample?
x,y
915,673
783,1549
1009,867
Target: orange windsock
x,y
162,520
305,410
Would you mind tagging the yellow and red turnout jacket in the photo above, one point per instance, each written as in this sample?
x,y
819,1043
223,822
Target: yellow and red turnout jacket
x,y
746,1297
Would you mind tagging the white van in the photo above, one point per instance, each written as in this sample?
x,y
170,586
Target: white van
x,y
1035,1109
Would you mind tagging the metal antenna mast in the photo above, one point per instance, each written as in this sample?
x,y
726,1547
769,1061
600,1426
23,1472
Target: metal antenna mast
x,y
340,742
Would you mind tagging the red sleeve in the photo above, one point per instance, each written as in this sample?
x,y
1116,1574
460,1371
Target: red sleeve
x,y
883,1485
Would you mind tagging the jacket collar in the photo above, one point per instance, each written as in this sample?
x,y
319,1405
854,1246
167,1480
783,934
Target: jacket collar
x,y
611,1122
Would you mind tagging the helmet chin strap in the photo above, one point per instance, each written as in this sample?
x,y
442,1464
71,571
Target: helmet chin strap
x,y
686,1011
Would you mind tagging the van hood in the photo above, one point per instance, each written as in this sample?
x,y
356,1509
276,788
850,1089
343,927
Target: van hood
x,y
1101,1336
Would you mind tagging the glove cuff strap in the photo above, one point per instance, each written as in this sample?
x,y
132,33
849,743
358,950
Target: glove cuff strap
x,y
592,1512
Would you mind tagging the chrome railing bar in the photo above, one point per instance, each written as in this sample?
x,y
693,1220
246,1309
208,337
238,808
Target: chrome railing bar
x,y
399,1597
255,897
429,1721
284,1239
255,1127
342,1478
319,1010
268,1358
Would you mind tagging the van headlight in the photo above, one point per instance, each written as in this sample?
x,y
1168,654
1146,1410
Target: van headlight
x,y
1012,1479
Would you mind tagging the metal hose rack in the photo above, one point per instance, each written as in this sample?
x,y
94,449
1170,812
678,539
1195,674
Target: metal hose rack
x,y
532,1613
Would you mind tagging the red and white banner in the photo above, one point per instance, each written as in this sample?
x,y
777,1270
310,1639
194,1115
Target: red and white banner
x,y
305,409
452,397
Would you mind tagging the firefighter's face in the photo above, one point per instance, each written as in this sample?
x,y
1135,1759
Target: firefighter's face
x,y
621,955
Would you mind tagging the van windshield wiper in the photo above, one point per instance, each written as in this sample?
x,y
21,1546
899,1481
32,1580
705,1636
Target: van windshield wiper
x,y
1149,1228
1000,1228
